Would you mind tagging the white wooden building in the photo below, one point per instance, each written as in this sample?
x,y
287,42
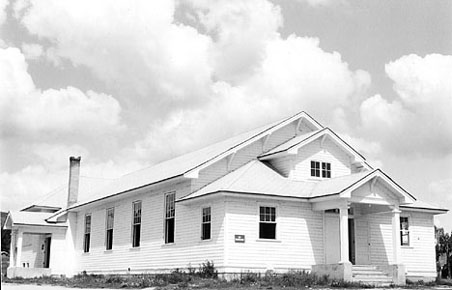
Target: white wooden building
x,y
288,196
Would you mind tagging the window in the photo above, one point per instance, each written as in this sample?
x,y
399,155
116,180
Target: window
x,y
109,229
170,211
404,231
206,219
315,168
267,222
326,169
136,224
87,238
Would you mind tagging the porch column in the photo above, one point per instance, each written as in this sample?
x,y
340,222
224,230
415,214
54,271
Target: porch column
x,y
396,235
12,249
343,221
19,239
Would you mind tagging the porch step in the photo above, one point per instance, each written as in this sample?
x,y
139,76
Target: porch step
x,y
370,275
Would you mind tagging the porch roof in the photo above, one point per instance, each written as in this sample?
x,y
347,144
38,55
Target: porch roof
x,y
24,218
422,205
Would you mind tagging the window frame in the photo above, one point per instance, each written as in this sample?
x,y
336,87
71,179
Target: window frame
x,y
314,169
87,234
275,222
404,232
206,223
326,172
136,243
166,219
109,232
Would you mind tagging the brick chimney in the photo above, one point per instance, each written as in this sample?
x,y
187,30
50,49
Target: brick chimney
x,y
74,178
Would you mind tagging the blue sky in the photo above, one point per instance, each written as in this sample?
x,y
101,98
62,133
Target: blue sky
x,y
126,84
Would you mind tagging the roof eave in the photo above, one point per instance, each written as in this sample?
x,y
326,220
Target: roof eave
x,y
424,209
194,172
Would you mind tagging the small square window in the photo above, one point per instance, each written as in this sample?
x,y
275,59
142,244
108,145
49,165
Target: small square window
x,y
326,170
315,168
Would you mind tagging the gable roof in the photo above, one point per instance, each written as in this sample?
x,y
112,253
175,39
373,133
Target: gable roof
x,y
188,165
57,198
24,218
292,146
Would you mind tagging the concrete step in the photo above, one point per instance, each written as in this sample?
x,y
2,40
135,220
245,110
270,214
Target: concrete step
x,y
370,275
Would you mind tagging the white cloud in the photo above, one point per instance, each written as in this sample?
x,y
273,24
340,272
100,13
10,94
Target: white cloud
x,y
192,88
32,50
418,120
323,3
27,109
3,4
135,47
240,31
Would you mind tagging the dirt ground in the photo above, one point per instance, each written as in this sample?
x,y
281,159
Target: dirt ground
x,y
12,286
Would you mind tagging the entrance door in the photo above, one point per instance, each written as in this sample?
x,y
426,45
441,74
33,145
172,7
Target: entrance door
x,y
47,252
332,239
362,242
351,241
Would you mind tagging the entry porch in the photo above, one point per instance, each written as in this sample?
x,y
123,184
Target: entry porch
x,y
362,233
33,245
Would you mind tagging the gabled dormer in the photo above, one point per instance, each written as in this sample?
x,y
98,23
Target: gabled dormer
x,y
314,156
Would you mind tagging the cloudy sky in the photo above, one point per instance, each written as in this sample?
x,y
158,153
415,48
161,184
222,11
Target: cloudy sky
x,y
126,84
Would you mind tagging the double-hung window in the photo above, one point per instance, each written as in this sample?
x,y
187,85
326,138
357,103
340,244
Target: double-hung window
x,y
87,236
170,211
109,228
206,223
267,222
404,231
136,224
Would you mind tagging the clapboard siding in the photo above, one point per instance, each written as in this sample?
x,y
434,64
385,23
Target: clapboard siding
x,y
32,251
419,257
299,242
153,254
340,162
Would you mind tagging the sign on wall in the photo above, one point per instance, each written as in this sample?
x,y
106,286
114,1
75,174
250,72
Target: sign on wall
x,y
239,238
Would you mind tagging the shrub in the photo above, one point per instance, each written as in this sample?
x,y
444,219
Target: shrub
x,y
207,270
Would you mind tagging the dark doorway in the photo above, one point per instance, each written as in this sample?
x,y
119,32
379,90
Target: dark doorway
x,y
47,252
351,240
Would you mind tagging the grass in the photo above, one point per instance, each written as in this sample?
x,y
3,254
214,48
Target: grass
x,y
195,280
206,277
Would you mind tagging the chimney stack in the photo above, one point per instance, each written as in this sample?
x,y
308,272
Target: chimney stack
x,y
74,178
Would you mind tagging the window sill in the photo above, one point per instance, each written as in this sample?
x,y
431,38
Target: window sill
x,y
268,240
205,241
168,244
406,247
108,251
134,249
85,253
